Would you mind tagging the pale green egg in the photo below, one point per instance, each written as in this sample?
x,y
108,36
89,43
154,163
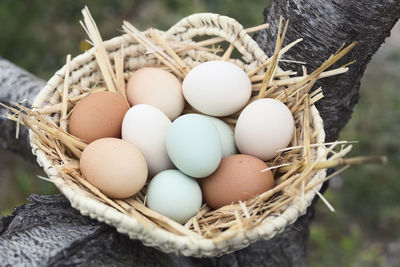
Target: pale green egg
x,y
175,195
227,136
194,146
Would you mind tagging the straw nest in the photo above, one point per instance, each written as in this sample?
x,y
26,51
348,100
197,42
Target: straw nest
x,y
299,170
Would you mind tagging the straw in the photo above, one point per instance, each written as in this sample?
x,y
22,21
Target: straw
x,y
296,168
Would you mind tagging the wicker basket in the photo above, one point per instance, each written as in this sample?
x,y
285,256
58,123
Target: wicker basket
x,y
85,74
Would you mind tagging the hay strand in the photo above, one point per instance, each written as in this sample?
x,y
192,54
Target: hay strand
x,y
102,58
294,168
270,72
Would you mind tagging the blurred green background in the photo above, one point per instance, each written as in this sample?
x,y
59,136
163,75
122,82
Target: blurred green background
x,y
364,230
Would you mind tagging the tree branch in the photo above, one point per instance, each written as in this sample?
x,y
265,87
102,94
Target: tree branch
x,y
16,85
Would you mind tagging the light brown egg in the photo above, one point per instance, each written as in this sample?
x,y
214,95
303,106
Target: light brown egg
x,y
97,116
238,177
156,87
116,167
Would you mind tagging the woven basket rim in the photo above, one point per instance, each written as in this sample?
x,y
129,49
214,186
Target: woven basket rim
x,y
158,237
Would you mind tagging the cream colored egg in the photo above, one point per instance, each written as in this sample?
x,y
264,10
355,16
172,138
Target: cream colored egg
x,y
156,87
217,88
263,127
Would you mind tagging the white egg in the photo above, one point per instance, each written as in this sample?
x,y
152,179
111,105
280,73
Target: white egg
x,y
175,195
263,127
217,88
146,127
226,135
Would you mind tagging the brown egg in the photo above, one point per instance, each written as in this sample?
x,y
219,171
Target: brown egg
x,y
156,87
238,177
97,116
116,167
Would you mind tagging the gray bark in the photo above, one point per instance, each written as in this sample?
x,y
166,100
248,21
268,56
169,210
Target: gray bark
x,y
49,232
325,26
16,85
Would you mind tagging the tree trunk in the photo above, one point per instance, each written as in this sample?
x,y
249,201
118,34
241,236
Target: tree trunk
x,y
325,26
49,232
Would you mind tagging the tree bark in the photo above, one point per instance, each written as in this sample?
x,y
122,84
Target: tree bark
x,y
16,85
49,232
325,26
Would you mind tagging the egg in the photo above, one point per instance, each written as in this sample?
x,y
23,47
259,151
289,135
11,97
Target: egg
x,y
194,146
226,136
156,87
116,167
175,195
97,116
238,177
217,88
263,127
146,127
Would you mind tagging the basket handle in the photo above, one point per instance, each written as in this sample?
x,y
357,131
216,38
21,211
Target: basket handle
x,y
222,26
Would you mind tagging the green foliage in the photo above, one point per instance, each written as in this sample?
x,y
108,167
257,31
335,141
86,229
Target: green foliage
x,y
18,181
367,203
39,34
376,125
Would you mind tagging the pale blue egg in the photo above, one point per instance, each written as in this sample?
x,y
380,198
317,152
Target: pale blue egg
x,y
227,136
175,195
194,145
